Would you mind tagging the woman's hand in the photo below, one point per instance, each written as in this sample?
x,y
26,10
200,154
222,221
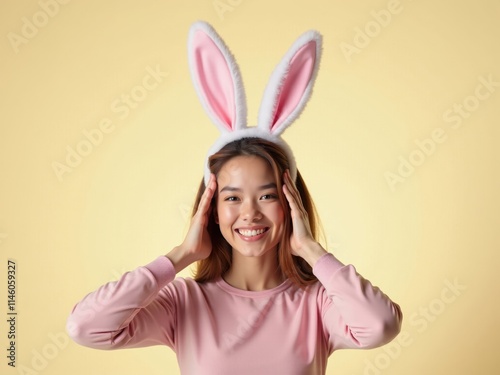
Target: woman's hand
x,y
197,242
302,240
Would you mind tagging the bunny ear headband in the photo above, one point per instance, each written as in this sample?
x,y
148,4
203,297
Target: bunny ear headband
x,y
217,81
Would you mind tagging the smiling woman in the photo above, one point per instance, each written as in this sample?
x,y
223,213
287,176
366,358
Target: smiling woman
x,y
267,298
249,177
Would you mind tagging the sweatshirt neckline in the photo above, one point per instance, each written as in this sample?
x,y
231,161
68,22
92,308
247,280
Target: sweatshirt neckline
x,y
253,293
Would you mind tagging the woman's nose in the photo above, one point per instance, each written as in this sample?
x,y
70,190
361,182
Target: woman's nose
x,y
250,212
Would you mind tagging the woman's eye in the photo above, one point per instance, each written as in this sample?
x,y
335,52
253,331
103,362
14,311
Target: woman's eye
x,y
231,199
269,196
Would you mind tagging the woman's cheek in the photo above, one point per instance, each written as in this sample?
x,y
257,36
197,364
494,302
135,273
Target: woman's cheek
x,y
227,212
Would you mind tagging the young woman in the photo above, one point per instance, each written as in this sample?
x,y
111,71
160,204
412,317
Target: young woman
x,y
266,298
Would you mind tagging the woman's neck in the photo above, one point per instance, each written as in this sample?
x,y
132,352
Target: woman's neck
x,y
254,273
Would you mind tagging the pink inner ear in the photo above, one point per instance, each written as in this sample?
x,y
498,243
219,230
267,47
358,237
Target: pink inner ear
x,y
214,79
296,81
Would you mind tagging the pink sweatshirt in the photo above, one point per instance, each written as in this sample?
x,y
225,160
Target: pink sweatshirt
x,y
216,329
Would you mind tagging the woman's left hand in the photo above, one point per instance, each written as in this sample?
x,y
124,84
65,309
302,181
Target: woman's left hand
x,y
301,239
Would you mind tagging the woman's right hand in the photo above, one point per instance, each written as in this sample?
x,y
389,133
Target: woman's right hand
x,y
197,242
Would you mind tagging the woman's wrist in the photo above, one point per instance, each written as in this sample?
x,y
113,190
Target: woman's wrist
x,y
313,252
180,258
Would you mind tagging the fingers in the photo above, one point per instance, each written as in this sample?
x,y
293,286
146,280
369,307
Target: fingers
x,y
292,194
207,196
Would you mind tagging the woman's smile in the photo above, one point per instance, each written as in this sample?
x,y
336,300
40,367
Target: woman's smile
x,y
252,234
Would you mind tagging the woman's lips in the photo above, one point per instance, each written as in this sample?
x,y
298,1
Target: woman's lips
x,y
251,235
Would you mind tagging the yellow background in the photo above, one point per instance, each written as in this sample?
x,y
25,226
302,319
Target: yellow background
x,y
126,202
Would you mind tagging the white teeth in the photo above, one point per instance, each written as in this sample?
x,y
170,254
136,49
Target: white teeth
x,y
250,233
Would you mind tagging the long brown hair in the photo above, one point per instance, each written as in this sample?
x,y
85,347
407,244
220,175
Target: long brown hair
x,y
219,260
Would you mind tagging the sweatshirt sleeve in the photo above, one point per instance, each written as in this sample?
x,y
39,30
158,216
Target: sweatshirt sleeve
x,y
134,311
355,313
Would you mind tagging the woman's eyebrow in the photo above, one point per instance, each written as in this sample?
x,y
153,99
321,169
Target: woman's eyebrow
x,y
263,187
270,185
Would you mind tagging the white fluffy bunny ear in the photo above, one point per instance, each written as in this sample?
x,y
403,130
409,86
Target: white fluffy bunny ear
x,y
216,78
290,85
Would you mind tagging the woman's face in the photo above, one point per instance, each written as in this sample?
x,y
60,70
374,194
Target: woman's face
x,y
248,210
